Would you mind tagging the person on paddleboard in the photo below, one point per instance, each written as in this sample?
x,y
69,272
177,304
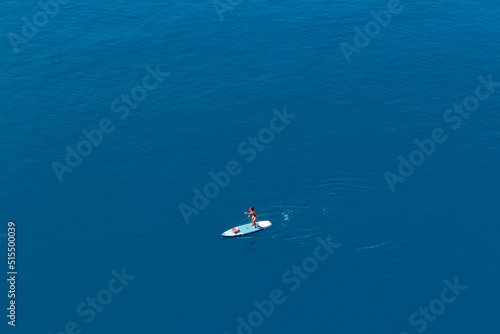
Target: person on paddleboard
x,y
254,216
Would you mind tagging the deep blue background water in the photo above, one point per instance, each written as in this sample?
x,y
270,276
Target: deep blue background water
x,y
322,176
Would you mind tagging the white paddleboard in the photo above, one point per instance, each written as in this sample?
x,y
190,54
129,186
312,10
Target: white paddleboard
x,y
247,229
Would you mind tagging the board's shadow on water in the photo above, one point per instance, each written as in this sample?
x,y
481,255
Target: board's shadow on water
x,y
250,245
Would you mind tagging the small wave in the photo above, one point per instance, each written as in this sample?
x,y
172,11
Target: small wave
x,y
377,245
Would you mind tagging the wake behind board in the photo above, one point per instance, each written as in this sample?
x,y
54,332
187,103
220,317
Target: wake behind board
x,y
246,229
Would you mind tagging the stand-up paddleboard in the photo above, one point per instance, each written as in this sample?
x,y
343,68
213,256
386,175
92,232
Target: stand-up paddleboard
x,y
246,229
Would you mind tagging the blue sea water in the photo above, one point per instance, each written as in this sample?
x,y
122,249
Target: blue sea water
x,y
321,175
